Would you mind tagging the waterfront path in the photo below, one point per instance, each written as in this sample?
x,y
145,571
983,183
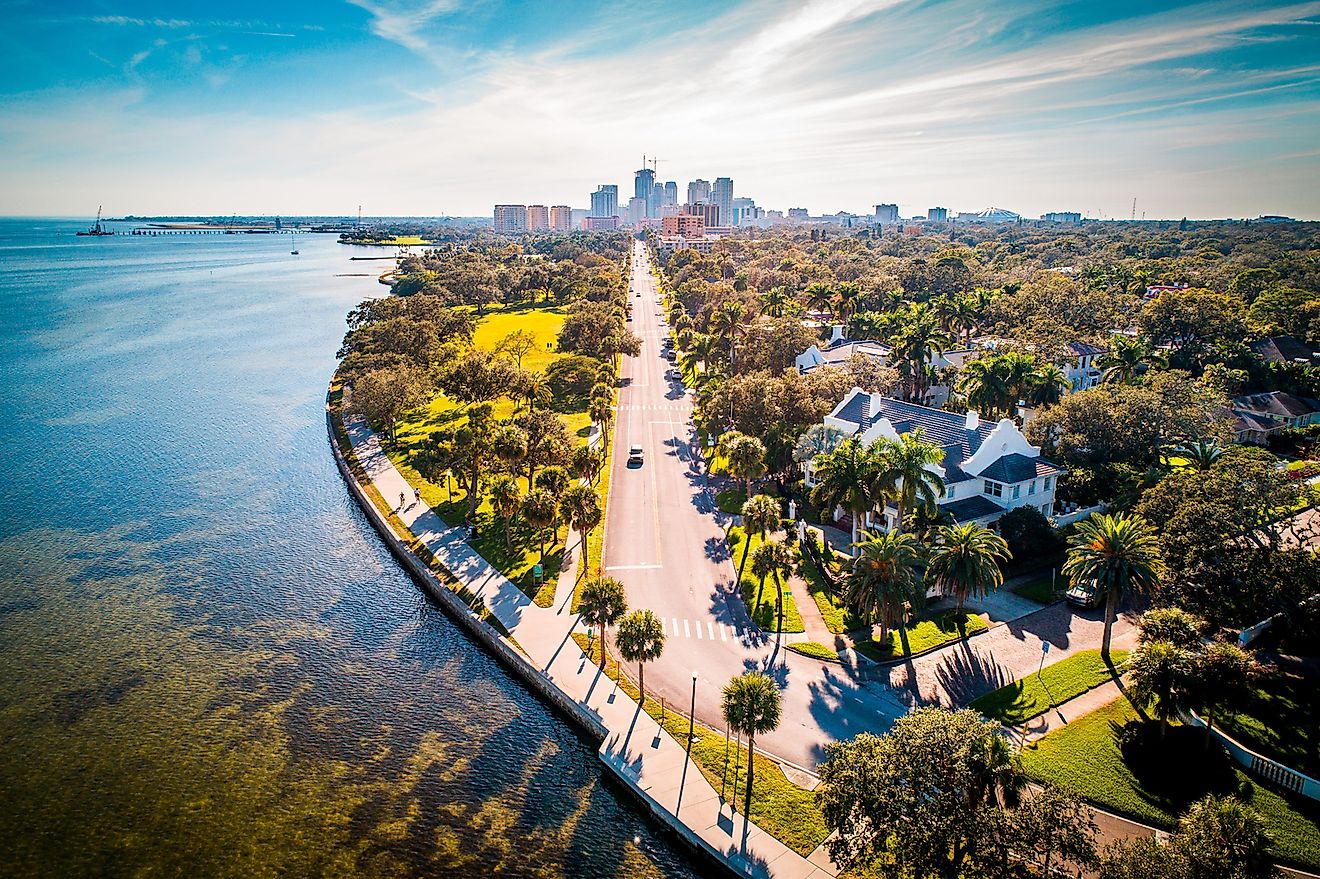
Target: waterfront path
x,y
641,753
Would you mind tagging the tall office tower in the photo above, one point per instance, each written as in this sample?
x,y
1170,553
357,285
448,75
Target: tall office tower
x,y
655,200
938,215
636,209
605,201
671,193
722,195
698,191
561,218
709,213
538,218
886,213
510,218
743,209
643,182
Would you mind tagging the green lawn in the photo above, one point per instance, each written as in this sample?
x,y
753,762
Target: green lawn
x,y
838,618
1279,721
924,635
815,650
779,807
1033,695
731,500
1156,785
1039,589
763,614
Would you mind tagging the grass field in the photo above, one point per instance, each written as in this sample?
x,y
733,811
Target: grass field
x,y
1040,589
1033,695
1278,720
763,614
779,807
1085,757
924,635
815,650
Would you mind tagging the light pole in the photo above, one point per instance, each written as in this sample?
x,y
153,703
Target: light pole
x,y
692,734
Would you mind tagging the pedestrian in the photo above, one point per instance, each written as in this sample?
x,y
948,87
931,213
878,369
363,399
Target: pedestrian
x,y
417,495
401,500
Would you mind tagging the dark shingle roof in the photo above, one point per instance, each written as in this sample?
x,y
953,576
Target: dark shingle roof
x,y
1285,349
1276,403
1011,468
1081,349
975,507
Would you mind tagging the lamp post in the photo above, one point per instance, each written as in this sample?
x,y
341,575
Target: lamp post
x,y
692,734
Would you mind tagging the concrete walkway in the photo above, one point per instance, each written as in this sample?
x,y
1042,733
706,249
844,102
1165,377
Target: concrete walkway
x,y
637,748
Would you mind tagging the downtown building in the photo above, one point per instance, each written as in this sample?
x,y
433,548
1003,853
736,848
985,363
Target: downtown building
x,y
538,218
721,194
605,201
510,218
561,218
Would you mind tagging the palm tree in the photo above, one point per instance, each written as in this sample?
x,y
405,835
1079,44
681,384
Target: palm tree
x,y
1119,554
1222,836
843,480
770,560
541,510
640,639
751,706
745,456
774,300
1221,677
726,323
906,473
1047,385
602,603
1127,359
919,341
506,495
847,297
586,461
883,584
984,382
760,516
581,507
820,439
601,412
1201,455
554,479
702,351
1159,672
965,561
819,297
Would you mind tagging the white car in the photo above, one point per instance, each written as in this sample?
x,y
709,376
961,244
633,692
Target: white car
x,y
634,454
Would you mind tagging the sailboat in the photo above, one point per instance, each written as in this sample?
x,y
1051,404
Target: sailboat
x,y
99,229
294,252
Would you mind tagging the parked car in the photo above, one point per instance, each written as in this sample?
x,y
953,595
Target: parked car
x,y
634,454
1086,595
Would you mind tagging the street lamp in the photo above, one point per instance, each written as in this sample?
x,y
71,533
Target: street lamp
x,y
692,734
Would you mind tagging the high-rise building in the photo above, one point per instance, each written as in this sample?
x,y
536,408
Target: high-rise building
x,y
538,218
643,182
605,201
1062,217
744,211
561,218
655,199
886,213
510,218
671,193
938,215
709,213
685,225
722,195
698,191
636,209
798,213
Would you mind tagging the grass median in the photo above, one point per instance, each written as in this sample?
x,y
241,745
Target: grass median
x,y
923,635
763,612
1035,694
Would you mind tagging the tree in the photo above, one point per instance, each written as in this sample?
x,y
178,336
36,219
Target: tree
x,y
506,495
923,795
1128,359
586,462
1221,677
382,396
1047,385
844,478
918,342
1159,672
760,516
1117,554
1052,823
1200,455
770,560
1142,857
883,584
907,473
641,639
541,510
601,412
1222,838
517,344
554,480
746,459
1028,533
965,561
581,507
819,439
985,384
476,377
1172,625
602,603
1193,321
751,706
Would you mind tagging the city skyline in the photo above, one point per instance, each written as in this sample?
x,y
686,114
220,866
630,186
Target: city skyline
x,y
1199,109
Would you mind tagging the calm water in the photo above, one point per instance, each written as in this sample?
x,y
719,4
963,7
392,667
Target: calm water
x,y
208,663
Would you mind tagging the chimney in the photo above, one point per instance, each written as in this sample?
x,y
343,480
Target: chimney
x,y
973,420
836,333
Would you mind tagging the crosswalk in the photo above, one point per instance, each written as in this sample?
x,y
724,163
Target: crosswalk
x,y
708,630
654,407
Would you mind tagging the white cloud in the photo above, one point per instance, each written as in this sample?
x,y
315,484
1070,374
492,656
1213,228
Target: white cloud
x,y
401,22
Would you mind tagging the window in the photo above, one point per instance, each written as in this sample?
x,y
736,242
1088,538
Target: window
x,y
1049,480
948,491
994,489
1031,489
1017,492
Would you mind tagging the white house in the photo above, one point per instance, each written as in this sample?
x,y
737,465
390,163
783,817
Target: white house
x,y
1082,371
988,469
840,350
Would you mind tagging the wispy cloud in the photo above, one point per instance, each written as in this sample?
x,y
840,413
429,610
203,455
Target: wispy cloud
x,y
402,23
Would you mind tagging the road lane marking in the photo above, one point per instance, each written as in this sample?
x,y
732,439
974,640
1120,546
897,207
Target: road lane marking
x,y
675,627
710,629
724,636
699,630
687,633
632,567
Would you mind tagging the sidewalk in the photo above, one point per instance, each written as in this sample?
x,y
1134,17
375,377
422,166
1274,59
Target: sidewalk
x,y
636,748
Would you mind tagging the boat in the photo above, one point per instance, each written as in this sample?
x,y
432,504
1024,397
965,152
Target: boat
x,y
99,228
294,252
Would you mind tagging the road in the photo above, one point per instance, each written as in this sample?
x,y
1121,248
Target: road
x,y
664,542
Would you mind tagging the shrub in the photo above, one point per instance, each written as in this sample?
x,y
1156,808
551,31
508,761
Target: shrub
x,y
572,377
1030,536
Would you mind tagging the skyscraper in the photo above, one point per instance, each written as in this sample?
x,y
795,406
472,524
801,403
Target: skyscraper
x,y
937,215
721,194
698,191
561,218
886,213
671,193
636,209
538,218
642,184
605,201
655,199
510,218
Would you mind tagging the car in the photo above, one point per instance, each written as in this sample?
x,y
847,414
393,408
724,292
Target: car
x,y
672,374
671,356
634,454
630,318
1086,595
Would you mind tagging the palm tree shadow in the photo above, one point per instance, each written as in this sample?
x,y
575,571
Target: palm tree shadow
x,y
965,674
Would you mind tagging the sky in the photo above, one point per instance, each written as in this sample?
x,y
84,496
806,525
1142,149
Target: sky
x,y
447,107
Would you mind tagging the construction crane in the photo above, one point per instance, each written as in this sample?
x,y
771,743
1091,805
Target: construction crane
x,y
652,162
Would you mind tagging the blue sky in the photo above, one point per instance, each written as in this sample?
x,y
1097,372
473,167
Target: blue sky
x,y
445,106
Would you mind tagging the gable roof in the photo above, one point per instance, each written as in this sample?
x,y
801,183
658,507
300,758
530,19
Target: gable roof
x,y
1276,403
1285,349
1082,349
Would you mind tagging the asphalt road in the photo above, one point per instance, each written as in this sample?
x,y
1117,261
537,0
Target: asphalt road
x,y
663,540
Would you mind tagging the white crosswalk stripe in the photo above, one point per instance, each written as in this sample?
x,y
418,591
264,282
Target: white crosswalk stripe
x,y
693,629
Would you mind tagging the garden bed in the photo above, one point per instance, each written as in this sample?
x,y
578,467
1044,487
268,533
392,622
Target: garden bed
x,y
924,635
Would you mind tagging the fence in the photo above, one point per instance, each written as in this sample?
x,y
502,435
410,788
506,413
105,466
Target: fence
x,y
1270,770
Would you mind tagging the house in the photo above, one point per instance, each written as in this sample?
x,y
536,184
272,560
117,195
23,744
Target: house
x,y
1082,371
1257,417
839,350
988,469
1286,349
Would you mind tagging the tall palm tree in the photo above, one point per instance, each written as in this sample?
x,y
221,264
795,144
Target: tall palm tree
x,y
1222,676
985,384
703,350
586,462
1128,359
601,412
506,495
537,390
919,341
760,516
541,510
847,299
774,300
555,480
843,480
1223,836
883,584
640,638
1160,676
726,323
746,460
602,603
751,705
819,297
1047,385
771,560
905,473
581,507
1201,455
965,561
1119,554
